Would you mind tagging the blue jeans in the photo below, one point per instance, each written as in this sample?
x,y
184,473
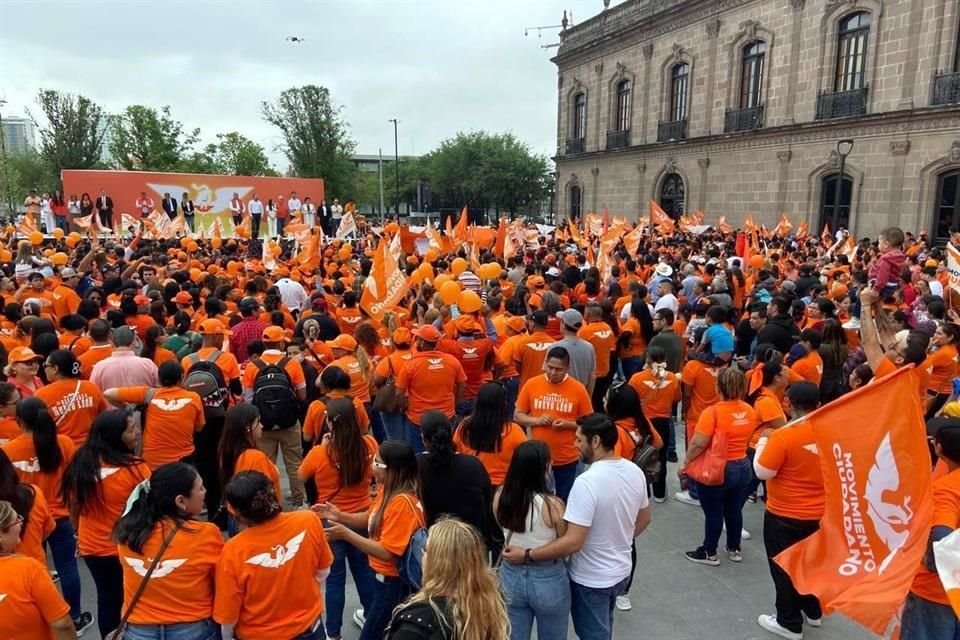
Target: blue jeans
x,y
592,610
512,387
201,630
630,366
724,504
344,552
465,408
538,591
60,222
393,426
413,435
376,425
387,594
563,477
63,548
925,620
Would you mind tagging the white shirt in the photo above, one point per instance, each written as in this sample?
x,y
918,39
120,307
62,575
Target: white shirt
x,y
337,211
606,499
292,293
625,312
293,205
255,207
935,287
668,301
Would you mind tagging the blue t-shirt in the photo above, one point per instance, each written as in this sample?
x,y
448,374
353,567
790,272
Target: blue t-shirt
x,y
719,338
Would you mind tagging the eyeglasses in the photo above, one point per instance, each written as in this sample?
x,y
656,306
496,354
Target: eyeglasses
x,y
16,522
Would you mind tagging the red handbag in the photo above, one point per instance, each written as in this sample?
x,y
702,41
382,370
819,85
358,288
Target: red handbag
x,y
708,468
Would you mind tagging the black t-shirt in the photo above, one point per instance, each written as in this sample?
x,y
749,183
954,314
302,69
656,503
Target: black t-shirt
x,y
461,489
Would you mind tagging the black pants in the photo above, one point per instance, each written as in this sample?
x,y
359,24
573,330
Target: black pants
x,y
206,441
108,578
600,388
106,219
939,400
256,224
780,533
662,425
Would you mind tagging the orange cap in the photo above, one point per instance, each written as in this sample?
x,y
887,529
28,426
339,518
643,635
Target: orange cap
x,y
212,326
465,324
342,341
402,336
517,323
274,334
23,354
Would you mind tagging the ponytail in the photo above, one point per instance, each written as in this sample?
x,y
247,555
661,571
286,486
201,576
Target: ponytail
x,y
363,359
153,501
33,413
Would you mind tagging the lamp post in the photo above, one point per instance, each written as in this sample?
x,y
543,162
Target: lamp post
x,y
396,162
844,147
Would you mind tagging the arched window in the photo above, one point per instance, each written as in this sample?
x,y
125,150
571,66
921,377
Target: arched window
x,y
579,116
852,34
623,106
946,213
830,213
672,195
576,200
679,89
751,74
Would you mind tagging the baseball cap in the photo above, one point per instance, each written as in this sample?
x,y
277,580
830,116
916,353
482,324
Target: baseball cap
x,y
212,326
571,318
402,336
319,304
342,341
273,334
67,272
427,332
517,323
540,317
23,354
553,272
465,324
537,281
141,299
183,298
248,304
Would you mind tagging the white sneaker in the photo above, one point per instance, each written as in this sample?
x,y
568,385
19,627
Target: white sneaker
x,y
813,622
685,498
659,500
770,624
358,618
744,534
735,556
623,603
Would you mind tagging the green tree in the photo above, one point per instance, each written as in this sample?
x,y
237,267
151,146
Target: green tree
x,y
21,172
316,137
74,131
149,140
236,154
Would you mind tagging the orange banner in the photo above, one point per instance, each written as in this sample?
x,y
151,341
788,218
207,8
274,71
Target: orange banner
x,y
211,194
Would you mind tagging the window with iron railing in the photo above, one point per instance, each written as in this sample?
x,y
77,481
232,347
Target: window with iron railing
x,y
852,37
679,90
623,106
579,116
751,74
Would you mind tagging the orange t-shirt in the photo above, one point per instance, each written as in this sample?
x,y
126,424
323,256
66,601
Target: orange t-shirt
x,y
31,601
188,566
73,404
810,367
256,460
657,397
270,356
637,344
529,354
172,417
40,524
9,429
737,418
313,422
702,379
629,437
348,318
96,522
604,342
140,323
353,498
946,513
92,356
359,381
162,355
78,345
402,516
266,582
429,380
390,366
23,456
768,408
495,462
944,364
505,356
476,357
65,301
797,489
226,362
567,401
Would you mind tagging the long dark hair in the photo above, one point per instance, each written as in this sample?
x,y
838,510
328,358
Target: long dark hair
x,y
623,403
401,476
33,413
65,362
641,312
20,494
150,342
483,429
104,446
438,438
236,438
156,504
347,449
526,478
769,370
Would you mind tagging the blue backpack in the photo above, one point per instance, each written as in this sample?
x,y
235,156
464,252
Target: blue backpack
x,y
410,564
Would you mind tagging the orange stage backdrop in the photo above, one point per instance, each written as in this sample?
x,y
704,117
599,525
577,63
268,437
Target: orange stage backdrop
x,y
211,194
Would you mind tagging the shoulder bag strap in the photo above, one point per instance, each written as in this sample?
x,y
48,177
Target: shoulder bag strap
x,y
146,577
421,517
73,401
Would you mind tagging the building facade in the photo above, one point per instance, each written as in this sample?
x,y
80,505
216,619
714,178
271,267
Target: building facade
x,y
19,135
739,106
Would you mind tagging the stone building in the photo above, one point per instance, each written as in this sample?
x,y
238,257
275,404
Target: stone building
x,y
737,106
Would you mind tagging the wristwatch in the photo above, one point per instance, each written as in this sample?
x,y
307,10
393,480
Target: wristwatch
x,y
526,557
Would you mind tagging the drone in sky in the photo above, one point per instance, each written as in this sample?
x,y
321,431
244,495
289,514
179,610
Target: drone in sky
x,y
295,39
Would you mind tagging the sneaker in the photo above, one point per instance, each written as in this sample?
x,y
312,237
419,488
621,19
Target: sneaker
x,y
735,555
770,624
744,534
623,603
852,323
752,498
358,618
813,622
55,577
699,555
659,500
83,622
685,498
672,457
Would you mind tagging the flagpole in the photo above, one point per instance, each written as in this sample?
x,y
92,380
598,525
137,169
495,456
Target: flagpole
x,y
380,171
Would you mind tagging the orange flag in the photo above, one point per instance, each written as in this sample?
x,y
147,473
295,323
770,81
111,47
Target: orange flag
x,y
723,226
748,223
632,241
659,218
386,284
309,255
575,233
460,232
826,238
500,243
699,216
877,480
28,225
783,227
802,231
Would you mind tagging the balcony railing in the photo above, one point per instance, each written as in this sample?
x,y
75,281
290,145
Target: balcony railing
x,y
743,119
618,139
667,131
946,88
575,145
842,104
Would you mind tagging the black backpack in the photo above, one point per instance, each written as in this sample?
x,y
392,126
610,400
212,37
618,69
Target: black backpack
x,y
206,380
274,396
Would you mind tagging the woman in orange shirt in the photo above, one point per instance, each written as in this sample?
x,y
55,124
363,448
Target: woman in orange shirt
x,y
944,363
238,450
32,607
96,485
635,334
153,348
489,433
723,504
73,403
166,509
9,397
22,368
767,402
28,500
388,369
341,468
658,391
394,516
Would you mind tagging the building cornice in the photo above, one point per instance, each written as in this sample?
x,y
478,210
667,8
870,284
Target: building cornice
x,y
945,118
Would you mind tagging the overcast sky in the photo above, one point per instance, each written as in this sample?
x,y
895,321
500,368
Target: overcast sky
x,y
439,66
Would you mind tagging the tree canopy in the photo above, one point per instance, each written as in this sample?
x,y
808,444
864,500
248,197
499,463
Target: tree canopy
x,y
74,132
145,139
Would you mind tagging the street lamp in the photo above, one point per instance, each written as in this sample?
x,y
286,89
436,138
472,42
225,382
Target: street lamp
x,y
844,147
396,162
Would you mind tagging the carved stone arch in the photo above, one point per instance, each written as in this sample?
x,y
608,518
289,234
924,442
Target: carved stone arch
x,y
928,180
670,166
572,183
815,186
677,55
576,87
833,13
750,31
621,73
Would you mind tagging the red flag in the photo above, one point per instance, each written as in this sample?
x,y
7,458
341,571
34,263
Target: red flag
x,y
877,480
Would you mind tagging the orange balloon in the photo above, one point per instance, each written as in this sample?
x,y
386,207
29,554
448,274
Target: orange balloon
x,y
450,292
58,233
196,274
440,280
425,270
416,277
216,243
192,247
345,252
756,261
5,255
36,238
73,239
47,253
431,255
469,302
9,230
184,241
458,266
59,259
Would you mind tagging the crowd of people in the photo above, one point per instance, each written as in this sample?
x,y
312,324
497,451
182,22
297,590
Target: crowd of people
x,y
481,456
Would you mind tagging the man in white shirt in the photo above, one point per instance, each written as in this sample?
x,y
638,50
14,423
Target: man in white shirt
x,y
293,204
292,293
255,207
236,209
667,300
336,212
608,508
